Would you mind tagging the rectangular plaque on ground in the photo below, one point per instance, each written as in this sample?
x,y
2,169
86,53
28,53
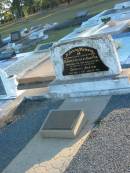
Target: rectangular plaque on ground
x,y
63,124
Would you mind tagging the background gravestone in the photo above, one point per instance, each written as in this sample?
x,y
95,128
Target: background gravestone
x,y
15,36
43,47
2,89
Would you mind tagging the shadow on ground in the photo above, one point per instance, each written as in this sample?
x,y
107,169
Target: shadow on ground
x,y
29,117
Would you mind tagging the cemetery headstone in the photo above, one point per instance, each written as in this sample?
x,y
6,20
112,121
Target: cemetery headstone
x,y
8,86
15,36
85,57
6,55
86,66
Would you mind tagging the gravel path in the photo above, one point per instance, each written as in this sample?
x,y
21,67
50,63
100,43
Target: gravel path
x,y
15,136
108,148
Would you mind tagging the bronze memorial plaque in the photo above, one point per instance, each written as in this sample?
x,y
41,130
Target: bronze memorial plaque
x,y
81,60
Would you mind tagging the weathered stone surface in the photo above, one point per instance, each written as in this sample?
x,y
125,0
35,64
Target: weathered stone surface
x,y
106,53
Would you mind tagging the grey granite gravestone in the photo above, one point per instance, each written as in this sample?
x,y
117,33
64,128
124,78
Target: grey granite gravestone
x,y
63,123
2,89
15,36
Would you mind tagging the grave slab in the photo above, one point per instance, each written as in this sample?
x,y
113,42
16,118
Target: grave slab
x,y
66,124
87,67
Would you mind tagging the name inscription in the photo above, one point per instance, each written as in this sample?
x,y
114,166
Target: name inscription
x,y
81,60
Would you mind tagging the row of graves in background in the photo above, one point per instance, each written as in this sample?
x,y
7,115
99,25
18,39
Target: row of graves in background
x,y
21,40
25,38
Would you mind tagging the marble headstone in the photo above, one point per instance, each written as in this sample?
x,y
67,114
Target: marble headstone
x,y
85,58
87,66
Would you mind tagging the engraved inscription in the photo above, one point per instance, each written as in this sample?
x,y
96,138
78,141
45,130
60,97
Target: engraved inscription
x,y
81,60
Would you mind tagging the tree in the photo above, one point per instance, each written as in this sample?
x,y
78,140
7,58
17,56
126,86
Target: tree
x,y
3,8
16,8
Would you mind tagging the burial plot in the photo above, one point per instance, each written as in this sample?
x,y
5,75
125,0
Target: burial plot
x,y
63,124
87,66
15,36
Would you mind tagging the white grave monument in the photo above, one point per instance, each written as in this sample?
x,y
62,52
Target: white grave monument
x,y
87,66
8,86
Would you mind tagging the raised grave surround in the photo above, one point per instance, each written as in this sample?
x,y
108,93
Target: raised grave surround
x,y
87,66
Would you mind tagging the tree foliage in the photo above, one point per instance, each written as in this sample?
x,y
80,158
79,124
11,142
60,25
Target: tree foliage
x,y
15,9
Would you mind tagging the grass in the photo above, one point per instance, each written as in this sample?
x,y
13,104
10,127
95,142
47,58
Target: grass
x,y
53,36
59,14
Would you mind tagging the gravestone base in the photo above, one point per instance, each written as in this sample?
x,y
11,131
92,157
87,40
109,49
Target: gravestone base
x,y
90,87
63,124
